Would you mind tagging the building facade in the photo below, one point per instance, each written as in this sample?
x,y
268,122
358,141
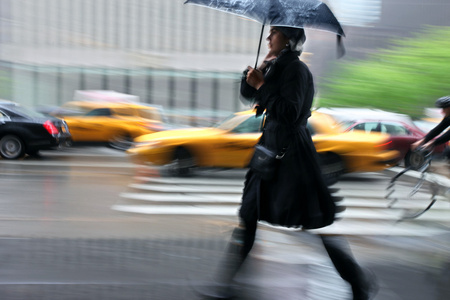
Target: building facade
x,y
49,48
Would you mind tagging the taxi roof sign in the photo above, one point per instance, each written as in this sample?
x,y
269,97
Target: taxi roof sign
x,y
104,95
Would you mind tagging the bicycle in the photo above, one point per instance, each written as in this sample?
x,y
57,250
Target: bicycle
x,y
425,191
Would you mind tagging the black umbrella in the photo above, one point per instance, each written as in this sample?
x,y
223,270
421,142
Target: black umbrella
x,y
290,13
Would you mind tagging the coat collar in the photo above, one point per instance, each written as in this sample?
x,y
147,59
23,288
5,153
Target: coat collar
x,y
286,56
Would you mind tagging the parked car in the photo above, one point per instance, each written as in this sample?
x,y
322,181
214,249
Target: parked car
x,y
113,123
231,142
402,130
24,131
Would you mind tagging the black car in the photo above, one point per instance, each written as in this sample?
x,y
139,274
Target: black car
x,y
24,131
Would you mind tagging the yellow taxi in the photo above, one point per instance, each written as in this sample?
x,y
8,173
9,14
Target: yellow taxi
x,y
230,145
113,123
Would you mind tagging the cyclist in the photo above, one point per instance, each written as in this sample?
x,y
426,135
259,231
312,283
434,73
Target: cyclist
x,y
427,141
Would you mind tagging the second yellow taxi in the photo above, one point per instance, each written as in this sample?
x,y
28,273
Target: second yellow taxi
x,y
230,145
113,123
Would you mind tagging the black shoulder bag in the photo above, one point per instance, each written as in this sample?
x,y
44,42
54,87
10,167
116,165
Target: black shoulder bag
x,y
265,162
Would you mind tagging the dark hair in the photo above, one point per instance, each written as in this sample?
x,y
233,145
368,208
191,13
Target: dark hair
x,y
443,102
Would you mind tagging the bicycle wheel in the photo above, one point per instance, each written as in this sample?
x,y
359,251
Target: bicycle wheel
x,y
415,193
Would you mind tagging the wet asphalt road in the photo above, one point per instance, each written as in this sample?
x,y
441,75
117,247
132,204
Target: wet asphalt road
x,y
60,240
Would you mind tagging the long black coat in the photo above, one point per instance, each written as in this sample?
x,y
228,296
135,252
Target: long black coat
x,y
298,195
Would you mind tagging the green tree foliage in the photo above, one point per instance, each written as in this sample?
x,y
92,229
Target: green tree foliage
x,y
405,78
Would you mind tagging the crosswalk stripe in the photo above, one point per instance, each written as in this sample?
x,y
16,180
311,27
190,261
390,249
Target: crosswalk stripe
x,y
180,197
190,181
387,228
392,214
219,210
401,204
186,189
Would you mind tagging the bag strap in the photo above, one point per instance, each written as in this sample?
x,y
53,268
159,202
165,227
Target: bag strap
x,y
281,154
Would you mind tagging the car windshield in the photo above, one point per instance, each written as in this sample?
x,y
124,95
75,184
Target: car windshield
x,y
240,124
151,114
230,122
345,124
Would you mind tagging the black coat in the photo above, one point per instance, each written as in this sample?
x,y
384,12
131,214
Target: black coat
x,y
298,195
445,137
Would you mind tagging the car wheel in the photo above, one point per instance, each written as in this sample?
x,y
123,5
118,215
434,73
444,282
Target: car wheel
x,y
332,167
121,142
182,163
414,160
11,147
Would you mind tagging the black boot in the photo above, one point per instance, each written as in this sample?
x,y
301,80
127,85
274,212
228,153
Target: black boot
x,y
366,287
363,282
221,286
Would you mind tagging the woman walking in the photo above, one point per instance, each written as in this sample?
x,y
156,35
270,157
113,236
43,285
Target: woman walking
x,y
296,195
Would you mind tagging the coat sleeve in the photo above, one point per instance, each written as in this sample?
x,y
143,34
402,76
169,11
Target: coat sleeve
x,y
437,130
286,103
442,139
247,92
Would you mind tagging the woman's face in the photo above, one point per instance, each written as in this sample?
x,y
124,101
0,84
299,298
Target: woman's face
x,y
276,41
446,111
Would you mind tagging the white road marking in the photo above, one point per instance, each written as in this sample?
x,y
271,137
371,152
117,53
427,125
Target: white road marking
x,y
219,210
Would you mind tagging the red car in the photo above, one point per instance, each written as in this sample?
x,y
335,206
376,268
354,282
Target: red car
x,y
402,134
400,127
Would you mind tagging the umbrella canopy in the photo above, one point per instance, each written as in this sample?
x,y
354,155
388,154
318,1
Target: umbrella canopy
x,y
290,13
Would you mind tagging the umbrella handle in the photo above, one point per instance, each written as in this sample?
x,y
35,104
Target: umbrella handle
x,y
259,46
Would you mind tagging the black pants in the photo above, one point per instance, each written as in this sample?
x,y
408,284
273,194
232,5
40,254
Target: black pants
x,y
337,247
